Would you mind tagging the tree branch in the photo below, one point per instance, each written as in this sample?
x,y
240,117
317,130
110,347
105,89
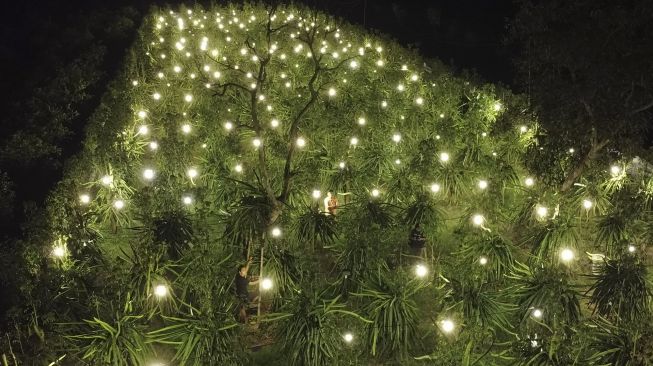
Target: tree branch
x,y
642,108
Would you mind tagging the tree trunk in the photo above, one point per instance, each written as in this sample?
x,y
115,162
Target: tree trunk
x,y
578,170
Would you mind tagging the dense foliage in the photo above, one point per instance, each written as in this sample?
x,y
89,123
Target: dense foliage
x,y
220,141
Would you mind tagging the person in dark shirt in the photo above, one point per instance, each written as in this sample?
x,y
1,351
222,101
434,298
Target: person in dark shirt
x,y
417,241
242,290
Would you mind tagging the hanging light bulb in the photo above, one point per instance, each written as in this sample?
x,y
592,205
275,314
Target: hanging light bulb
x,y
228,126
332,92
301,142
567,255
274,123
238,168
187,200
188,98
482,261
59,251
537,313
341,165
376,192
444,157
353,141
143,130
587,204
435,188
154,145
266,284
529,181
478,220
142,114
107,180
316,194
192,173
148,174
421,270
482,184
276,232
118,204
84,199
361,121
541,211
396,137
257,142
348,337
161,291
447,325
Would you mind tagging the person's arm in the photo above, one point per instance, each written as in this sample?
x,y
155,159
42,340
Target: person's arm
x,y
249,261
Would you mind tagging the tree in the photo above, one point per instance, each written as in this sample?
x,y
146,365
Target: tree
x,y
584,65
218,142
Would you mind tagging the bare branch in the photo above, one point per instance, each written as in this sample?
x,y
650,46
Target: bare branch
x,y
643,108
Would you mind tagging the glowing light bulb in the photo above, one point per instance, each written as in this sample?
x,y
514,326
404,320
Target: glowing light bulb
x,y
376,192
419,100
497,106
274,123
444,157
332,92
228,126
529,181
396,137
148,174
156,96
238,168
615,170
187,200
447,326
587,204
107,180
134,82
421,270
266,284
276,232
401,87
59,251
143,130
256,142
482,261
160,290
537,313
186,128
413,77
380,63
398,161
478,220
84,198
482,184
348,337
316,194
142,114
353,64
188,98
435,188
176,69
384,104
353,141
154,145
192,173
118,204
523,129
300,142
361,121
631,249
341,165
541,211
567,255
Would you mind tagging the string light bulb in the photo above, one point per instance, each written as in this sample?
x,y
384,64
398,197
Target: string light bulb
x,y
257,142
482,261
187,200
107,180
567,255
160,291
192,173
118,204
84,199
332,92
300,142
396,137
537,313
348,337
587,204
59,251
529,182
266,284
444,157
541,211
447,325
421,270
478,220
376,192
276,232
615,170
435,188
482,184
148,174
316,194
